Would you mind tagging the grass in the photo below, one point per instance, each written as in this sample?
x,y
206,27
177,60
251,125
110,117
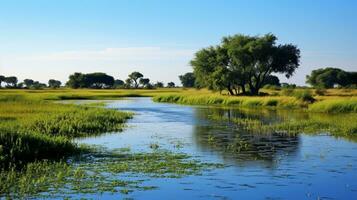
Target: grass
x,y
101,171
33,129
285,99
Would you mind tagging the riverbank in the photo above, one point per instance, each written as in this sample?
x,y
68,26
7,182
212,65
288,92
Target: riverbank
x,y
300,99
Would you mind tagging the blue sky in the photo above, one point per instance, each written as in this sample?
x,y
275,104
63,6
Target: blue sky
x,y
43,39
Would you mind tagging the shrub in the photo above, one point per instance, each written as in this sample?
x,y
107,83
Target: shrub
x,y
304,95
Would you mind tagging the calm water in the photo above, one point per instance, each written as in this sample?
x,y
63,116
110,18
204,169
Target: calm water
x,y
275,167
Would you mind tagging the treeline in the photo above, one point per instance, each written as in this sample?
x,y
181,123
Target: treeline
x,y
12,82
97,80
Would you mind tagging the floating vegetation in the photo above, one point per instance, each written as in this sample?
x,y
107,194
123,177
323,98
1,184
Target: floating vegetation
x,y
101,171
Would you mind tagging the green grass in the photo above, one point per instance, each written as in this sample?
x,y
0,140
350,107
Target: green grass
x,y
300,99
241,101
32,129
335,106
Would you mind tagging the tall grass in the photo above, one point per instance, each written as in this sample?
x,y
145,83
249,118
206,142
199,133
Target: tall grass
x,y
282,102
335,105
299,99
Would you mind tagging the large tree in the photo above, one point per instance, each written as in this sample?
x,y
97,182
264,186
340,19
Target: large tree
x,y
134,76
244,62
188,79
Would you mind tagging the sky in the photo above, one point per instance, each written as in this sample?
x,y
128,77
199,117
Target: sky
x,y
43,39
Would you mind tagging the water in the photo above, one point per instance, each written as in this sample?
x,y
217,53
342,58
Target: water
x,y
274,167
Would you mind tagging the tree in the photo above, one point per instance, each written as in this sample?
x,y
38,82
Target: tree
x,y
91,80
329,77
28,82
76,80
170,84
98,80
2,79
241,61
11,81
37,85
144,81
272,80
159,84
52,83
128,83
188,79
118,83
134,76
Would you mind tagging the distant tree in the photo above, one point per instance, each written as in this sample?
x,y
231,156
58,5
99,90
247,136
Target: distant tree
x,y
159,84
118,83
98,80
328,78
76,80
134,76
242,61
91,80
52,83
128,83
21,85
144,81
188,79
272,80
28,82
170,84
2,79
37,85
11,81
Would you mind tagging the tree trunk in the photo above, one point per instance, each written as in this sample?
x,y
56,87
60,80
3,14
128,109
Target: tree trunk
x,y
230,91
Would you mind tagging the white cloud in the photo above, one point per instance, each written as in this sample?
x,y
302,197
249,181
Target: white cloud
x,y
115,54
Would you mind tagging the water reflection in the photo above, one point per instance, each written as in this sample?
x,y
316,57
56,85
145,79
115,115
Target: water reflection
x,y
239,144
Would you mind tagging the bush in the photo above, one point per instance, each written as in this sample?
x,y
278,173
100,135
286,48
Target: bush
x,y
304,95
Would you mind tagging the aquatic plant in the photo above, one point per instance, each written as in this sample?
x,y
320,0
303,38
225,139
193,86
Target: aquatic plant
x,y
100,171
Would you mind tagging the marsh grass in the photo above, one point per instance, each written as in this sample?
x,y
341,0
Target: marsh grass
x,y
299,99
100,171
33,129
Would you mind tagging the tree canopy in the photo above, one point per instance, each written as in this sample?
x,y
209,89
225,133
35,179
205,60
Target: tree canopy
x,y
188,79
52,83
134,76
244,62
91,80
170,84
330,77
